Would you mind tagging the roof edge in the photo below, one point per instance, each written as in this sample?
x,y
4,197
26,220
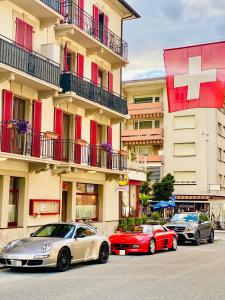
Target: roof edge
x,y
128,7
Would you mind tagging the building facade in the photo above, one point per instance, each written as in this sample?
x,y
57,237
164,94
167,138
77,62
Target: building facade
x,y
61,111
192,145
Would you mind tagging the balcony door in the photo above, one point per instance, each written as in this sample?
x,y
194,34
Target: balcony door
x,y
18,141
66,138
13,202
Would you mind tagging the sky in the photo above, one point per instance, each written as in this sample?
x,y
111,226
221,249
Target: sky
x,y
169,24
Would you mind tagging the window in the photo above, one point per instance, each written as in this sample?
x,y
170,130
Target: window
x,y
66,136
187,149
185,177
87,201
146,151
203,217
184,122
13,201
24,34
157,124
146,99
85,231
147,124
219,154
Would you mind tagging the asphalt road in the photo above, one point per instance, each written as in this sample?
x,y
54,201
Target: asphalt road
x,y
189,273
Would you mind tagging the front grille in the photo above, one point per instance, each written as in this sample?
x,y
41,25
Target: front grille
x,y
121,246
34,262
2,261
176,228
8,261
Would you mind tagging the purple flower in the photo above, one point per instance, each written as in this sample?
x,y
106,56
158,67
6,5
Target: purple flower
x,y
107,147
22,126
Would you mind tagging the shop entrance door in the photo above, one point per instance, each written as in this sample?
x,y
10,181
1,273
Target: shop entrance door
x,y
64,206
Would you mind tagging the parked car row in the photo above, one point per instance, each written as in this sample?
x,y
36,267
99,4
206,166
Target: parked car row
x,y
59,245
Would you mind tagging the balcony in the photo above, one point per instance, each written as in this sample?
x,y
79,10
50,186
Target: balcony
x,y
82,28
146,110
35,147
29,68
90,96
45,10
150,159
143,136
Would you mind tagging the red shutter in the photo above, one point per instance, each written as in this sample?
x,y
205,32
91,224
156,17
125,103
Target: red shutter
x,y
29,37
96,21
110,82
58,127
36,126
78,124
81,14
63,8
80,65
7,115
109,141
20,31
65,67
94,73
105,34
93,142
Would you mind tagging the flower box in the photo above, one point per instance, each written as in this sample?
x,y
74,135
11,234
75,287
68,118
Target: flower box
x,y
80,142
51,135
123,152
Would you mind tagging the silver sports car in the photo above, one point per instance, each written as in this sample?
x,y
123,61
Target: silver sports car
x,y
57,245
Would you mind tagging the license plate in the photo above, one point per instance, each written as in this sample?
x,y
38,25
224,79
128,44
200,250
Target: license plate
x,y
122,252
16,263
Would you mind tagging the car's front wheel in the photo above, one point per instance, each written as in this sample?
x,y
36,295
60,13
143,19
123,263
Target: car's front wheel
x,y
174,245
63,260
197,239
103,253
211,237
151,249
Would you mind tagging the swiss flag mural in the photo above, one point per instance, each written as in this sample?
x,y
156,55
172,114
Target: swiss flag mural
x,y
195,76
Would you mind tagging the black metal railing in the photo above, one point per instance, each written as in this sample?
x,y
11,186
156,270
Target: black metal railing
x,y
69,151
29,62
54,4
70,82
75,15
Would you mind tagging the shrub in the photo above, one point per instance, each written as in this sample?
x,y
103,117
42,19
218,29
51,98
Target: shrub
x,y
130,221
145,219
138,221
155,216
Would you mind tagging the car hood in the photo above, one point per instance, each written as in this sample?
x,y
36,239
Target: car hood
x,y
129,238
30,245
181,224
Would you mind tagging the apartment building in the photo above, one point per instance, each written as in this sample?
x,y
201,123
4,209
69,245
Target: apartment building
x,y
190,145
61,110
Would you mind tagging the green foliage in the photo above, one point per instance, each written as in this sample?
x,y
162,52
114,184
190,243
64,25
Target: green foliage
x,y
155,216
145,219
145,188
162,190
143,198
130,221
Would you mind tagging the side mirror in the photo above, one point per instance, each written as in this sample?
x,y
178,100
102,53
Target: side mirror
x,y
32,234
80,235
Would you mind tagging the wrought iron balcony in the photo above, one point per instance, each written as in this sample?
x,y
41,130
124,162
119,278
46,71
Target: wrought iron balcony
x,y
76,16
31,63
38,145
54,4
70,82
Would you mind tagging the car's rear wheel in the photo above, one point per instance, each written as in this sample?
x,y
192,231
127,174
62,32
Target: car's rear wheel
x,y
174,245
151,249
211,237
197,239
103,253
63,260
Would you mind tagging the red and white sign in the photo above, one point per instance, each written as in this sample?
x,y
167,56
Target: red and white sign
x,y
195,76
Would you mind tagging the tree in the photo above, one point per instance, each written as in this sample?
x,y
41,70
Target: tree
x,y
162,190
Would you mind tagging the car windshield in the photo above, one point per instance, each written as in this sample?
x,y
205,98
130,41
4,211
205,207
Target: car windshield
x,y
185,218
139,229
55,231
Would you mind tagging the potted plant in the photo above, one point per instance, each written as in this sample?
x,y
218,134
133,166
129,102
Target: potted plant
x,y
80,142
106,147
51,135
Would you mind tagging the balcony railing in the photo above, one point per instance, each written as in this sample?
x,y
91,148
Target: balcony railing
x,y
54,4
31,63
74,15
37,145
70,82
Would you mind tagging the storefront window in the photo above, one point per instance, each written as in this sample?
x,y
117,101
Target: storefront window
x,y
87,201
13,201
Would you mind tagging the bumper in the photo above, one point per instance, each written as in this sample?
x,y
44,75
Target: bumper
x,y
129,250
186,236
28,261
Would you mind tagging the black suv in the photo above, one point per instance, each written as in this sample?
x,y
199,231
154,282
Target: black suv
x,y
192,227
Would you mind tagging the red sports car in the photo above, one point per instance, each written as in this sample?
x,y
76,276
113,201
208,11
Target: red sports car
x,y
143,239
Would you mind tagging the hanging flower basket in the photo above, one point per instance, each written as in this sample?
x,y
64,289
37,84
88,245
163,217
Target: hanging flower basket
x,y
80,142
51,135
106,147
21,126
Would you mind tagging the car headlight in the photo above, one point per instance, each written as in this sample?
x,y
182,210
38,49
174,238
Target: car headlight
x,y
46,248
135,246
9,245
189,228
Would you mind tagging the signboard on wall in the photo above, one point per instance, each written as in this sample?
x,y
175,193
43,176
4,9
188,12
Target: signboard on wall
x,y
124,188
44,207
214,187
